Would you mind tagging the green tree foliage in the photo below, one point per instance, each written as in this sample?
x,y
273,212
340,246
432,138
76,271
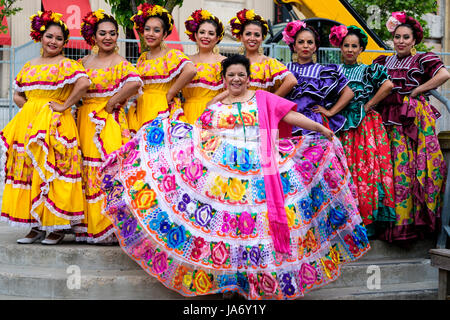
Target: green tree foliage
x,y
7,11
123,10
384,8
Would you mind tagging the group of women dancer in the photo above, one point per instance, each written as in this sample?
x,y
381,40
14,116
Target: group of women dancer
x,y
241,185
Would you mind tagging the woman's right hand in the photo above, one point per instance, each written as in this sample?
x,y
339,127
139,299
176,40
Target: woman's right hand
x,y
326,132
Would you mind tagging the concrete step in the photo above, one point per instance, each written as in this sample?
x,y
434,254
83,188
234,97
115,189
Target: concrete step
x,y
391,272
426,290
56,283
50,283
53,282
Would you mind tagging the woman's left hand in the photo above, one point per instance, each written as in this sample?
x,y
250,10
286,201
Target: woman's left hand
x,y
322,110
56,107
415,93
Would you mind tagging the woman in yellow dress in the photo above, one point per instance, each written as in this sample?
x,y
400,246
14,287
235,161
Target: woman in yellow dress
x,y
41,158
266,73
206,31
101,119
164,71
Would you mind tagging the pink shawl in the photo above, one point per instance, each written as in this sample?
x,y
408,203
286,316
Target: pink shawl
x,y
271,109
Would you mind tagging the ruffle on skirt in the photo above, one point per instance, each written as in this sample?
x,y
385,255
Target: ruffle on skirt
x,y
197,220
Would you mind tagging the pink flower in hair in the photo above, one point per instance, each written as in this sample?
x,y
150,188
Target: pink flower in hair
x,y
400,16
396,19
291,30
338,34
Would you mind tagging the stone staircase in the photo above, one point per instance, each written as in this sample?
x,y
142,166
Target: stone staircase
x,y
43,272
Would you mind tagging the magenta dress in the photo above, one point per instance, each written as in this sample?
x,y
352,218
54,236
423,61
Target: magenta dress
x,y
419,166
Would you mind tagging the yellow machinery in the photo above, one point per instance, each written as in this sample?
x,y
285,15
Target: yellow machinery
x,y
340,11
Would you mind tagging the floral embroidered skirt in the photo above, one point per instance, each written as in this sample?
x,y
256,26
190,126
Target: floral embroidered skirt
x,y
419,177
100,134
41,165
188,205
369,160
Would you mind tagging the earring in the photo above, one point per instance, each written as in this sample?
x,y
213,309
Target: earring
x,y
314,58
163,45
413,51
216,50
94,49
260,50
41,52
241,50
116,49
294,56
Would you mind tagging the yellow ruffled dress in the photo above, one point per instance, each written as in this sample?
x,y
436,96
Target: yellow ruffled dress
x,y
41,159
267,75
100,134
158,76
204,87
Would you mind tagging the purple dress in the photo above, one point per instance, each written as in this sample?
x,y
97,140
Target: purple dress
x,y
317,85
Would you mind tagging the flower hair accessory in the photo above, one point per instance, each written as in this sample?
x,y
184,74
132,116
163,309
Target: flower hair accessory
x,y
197,18
291,30
40,21
398,18
88,25
337,34
146,10
244,16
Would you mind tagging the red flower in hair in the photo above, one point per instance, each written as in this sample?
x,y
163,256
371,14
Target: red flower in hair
x,y
241,15
197,15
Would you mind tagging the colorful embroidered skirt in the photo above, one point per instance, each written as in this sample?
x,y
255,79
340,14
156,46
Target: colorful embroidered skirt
x,y
189,207
419,177
369,160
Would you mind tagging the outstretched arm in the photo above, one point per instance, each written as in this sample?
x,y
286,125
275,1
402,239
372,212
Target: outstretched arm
x,y
299,120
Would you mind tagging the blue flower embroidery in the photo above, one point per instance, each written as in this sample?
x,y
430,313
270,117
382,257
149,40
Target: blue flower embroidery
x,y
155,136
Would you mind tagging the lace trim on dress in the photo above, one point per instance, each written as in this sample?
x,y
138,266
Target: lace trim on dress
x,y
41,85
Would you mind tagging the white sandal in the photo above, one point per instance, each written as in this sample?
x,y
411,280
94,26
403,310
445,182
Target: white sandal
x,y
53,241
39,236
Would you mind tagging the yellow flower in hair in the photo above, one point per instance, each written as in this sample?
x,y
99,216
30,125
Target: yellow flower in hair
x,y
42,28
205,14
32,17
56,17
138,13
250,14
99,14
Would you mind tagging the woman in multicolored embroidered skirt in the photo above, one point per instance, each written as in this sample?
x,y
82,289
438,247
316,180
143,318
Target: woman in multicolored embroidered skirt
x,y
321,91
206,30
363,136
101,119
164,71
222,206
419,167
41,158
